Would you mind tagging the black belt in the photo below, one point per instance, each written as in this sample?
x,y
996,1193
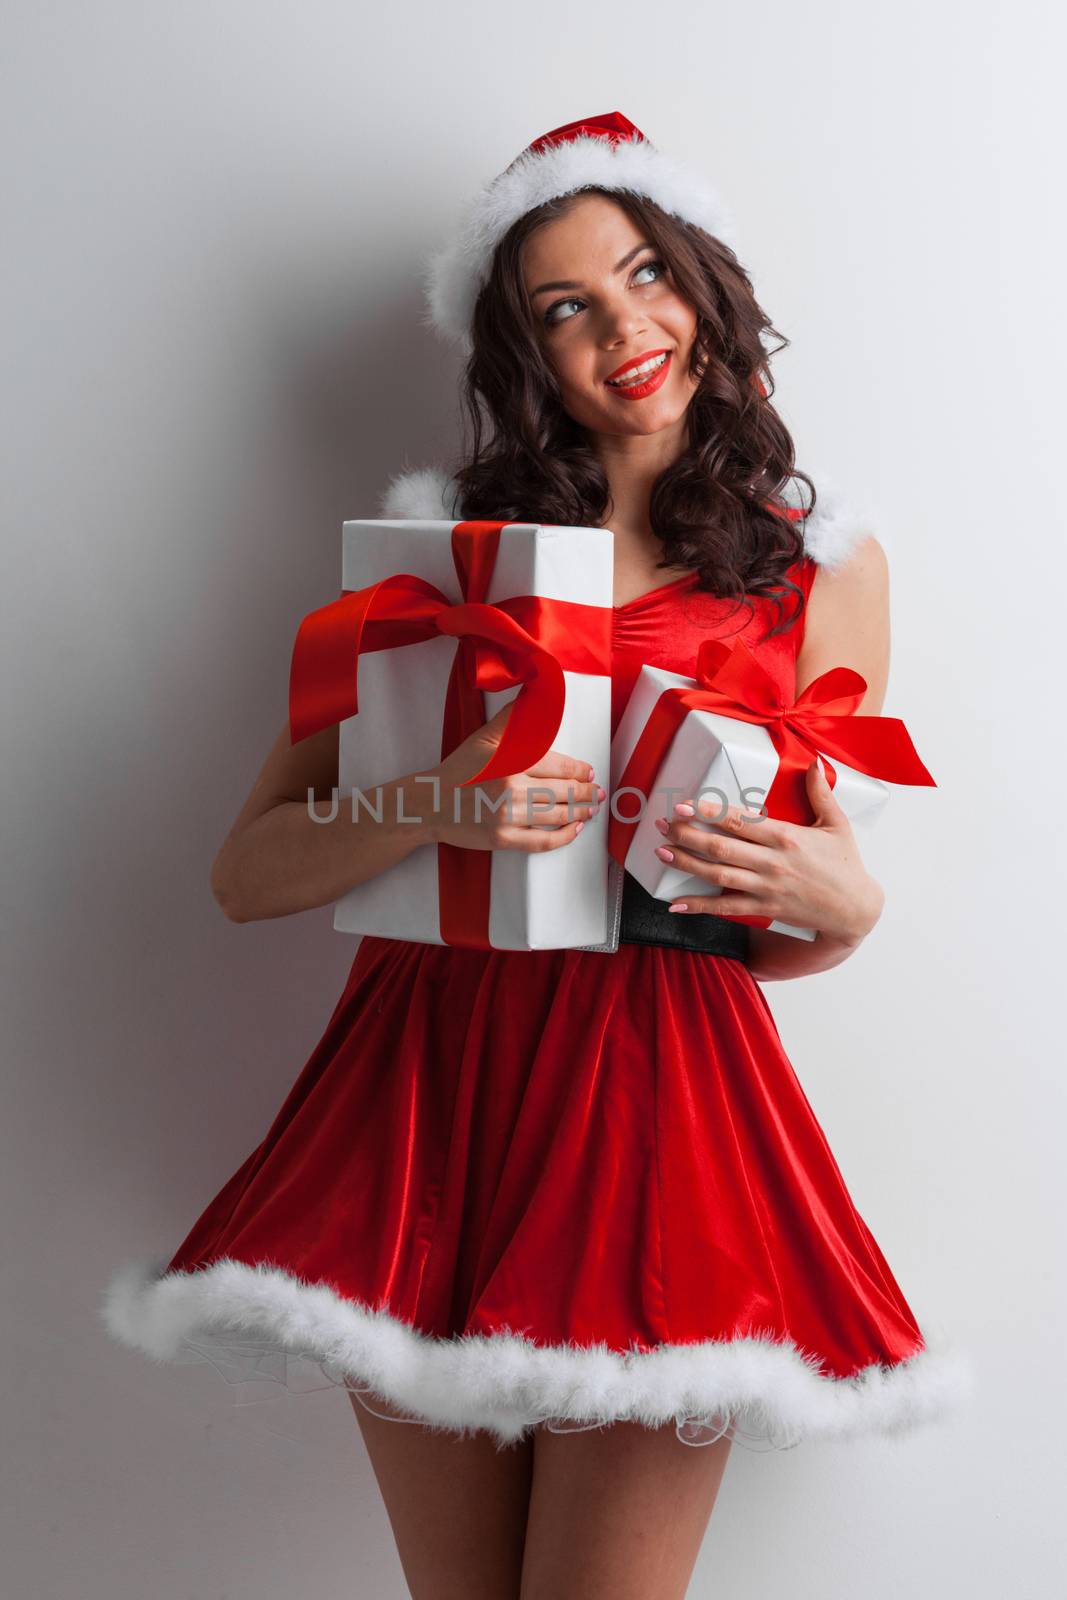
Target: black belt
x,y
641,919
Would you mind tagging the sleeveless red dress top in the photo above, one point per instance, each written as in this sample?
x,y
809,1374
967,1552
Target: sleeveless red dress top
x,y
559,1186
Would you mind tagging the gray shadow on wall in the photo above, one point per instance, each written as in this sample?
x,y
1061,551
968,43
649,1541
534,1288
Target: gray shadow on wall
x,y
347,399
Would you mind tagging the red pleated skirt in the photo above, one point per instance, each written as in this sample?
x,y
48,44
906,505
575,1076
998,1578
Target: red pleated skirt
x,y
512,1186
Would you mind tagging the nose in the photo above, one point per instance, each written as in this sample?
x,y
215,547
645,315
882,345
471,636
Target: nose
x,y
620,321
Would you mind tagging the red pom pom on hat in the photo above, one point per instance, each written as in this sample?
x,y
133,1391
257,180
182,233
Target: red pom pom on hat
x,y
612,125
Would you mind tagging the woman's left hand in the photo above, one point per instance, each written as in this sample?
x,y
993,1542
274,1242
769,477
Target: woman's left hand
x,y
809,877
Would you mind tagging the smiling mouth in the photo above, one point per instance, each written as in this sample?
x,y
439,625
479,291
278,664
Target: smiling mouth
x,y
644,380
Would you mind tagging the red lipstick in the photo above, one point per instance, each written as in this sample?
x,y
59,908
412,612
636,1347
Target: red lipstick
x,y
647,384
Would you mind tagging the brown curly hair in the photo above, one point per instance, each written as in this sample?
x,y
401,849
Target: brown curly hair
x,y
714,509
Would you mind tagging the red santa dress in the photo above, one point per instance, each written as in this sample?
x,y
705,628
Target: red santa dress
x,y
559,1186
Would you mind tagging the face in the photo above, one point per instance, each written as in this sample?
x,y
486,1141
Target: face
x,y
603,302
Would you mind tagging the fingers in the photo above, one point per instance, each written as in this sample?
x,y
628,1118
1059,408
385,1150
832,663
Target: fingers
x,y
559,790
720,852
551,802
554,764
719,905
523,809
535,839
544,800
742,879
517,813
736,822
535,808
727,848
689,839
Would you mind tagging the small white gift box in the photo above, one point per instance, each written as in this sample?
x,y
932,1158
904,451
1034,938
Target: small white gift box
x,y
730,761
548,900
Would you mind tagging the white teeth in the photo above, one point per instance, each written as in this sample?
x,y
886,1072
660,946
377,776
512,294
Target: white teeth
x,y
630,377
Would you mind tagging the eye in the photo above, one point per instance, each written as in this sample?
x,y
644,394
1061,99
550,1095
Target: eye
x,y
552,321
645,265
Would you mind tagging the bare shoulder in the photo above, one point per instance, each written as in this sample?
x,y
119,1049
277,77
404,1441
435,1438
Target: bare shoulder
x,y
866,565
847,621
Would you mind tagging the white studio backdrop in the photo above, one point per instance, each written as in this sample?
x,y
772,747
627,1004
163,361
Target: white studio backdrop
x,y
215,219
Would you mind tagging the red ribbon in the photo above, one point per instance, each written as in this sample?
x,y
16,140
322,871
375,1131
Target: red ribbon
x,y
733,683
525,640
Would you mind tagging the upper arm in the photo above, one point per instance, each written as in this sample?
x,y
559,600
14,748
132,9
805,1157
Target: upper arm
x,y
289,771
847,623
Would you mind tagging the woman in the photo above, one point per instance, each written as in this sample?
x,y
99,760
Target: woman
x,y
572,1203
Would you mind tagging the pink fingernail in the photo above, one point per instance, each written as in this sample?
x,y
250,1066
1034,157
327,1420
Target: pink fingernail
x,y
684,809
679,905
579,828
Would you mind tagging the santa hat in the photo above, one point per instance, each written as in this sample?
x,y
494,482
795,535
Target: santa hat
x,y
606,152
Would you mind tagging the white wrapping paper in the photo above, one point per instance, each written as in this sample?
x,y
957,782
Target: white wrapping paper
x,y
550,900
733,762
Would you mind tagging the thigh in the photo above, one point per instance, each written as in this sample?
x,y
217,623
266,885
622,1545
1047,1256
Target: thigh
x,y
618,1512
457,1504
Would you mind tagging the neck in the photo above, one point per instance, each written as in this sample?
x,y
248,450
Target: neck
x,y
631,464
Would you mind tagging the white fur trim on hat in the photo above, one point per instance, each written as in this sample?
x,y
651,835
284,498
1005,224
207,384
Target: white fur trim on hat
x,y
506,1383
456,273
830,533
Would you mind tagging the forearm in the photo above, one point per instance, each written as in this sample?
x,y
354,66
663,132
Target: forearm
x,y
781,955
296,857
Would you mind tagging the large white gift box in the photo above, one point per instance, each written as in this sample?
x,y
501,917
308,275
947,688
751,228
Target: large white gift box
x,y
546,900
730,761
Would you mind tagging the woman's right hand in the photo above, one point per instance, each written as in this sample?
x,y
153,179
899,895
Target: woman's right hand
x,y
507,818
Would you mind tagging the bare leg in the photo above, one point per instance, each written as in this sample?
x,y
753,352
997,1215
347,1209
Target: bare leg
x,y
618,1513
457,1505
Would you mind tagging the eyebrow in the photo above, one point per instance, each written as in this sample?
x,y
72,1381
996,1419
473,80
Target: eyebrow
x,y
567,284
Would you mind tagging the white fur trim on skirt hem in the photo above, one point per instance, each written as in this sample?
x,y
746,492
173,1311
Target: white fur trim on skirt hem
x,y
755,1389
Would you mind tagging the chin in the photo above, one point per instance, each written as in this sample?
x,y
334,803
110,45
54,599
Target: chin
x,y
652,421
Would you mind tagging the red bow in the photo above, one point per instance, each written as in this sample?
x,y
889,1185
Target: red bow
x,y
733,683
525,640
